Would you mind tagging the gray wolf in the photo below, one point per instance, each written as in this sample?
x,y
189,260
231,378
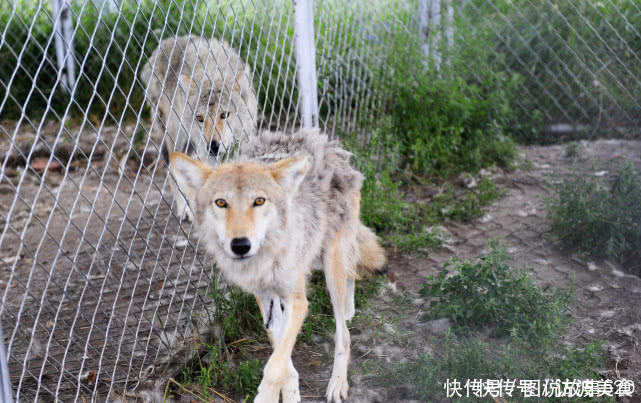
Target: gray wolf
x,y
202,99
285,205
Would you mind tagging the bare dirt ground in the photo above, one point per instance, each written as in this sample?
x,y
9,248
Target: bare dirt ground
x,y
608,300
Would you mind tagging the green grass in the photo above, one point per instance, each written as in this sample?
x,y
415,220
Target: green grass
x,y
320,319
218,371
491,293
470,358
463,207
527,326
600,219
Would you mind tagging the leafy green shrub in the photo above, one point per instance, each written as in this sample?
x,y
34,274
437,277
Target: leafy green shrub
x,y
605,222
453,119
489,292
578,60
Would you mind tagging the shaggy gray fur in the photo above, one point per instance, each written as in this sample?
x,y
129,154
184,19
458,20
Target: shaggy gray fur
x,y
330,181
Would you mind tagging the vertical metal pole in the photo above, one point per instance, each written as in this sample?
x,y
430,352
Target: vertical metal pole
x,y
6,391
435,28
63,31
424,28
449,27
306,62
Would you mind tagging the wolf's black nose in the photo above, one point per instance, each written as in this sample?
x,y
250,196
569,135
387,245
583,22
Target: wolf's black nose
x,y
240,246
214,146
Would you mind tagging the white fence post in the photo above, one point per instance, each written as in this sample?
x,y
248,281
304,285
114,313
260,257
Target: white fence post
x,y
306,62
435,31
6,391
424,28
63,28
430,27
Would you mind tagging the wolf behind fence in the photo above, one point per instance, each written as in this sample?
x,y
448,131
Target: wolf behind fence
x,y
288,203
202,99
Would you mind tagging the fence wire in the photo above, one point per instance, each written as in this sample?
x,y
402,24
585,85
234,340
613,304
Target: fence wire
x,y
103,290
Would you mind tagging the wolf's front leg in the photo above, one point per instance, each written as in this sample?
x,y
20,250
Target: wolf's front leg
x,y
283,319
340,291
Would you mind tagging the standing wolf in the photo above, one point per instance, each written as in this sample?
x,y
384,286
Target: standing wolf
x,y
287,204
202,97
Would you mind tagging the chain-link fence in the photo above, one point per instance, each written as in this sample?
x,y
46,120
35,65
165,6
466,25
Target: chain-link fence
x,y
103,289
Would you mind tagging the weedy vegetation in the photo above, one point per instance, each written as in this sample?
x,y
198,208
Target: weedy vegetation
x,y
229,363
461,358
600,219
526,325
490,292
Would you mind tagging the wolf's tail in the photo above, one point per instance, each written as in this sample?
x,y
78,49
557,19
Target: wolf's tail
x,y
372,254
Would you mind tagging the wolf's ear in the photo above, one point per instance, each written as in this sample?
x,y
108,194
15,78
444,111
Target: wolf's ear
x,y
190,174
187,85
289,173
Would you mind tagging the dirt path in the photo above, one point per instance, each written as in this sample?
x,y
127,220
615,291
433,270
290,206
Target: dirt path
x,y
608,303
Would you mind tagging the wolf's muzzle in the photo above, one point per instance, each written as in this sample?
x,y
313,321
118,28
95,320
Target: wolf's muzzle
x,y
214,146
240,246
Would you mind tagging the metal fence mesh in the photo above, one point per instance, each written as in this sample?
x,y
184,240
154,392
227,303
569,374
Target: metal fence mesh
x,y
102,287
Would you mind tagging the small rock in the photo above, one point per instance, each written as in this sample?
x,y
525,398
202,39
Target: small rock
x,y
592,266
618,273
595,288
470,183
600,173
438,326
180,241
608,314
389,328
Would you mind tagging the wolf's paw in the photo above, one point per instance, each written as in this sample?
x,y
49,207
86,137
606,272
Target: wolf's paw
x,y
266,396
290,391
337,389
291,394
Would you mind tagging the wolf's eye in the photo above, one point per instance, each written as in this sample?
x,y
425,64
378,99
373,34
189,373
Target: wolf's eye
x,y
224,115
200,118
259,201
221,203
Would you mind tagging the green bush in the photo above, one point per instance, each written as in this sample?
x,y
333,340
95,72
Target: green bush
x,y
579,60
599,220
450,120
491,293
